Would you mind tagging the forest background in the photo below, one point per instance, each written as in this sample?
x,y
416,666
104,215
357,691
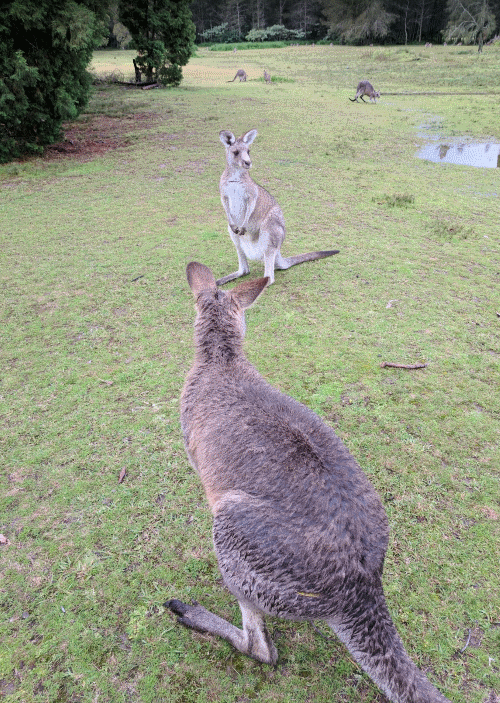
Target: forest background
x,y
349,21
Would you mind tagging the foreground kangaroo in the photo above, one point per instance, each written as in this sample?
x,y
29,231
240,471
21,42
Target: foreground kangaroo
x,y
240,73
299,531
256,223
366,88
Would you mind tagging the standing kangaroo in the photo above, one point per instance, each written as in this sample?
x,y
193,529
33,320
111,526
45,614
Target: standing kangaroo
x,y
256,223
240,73
366,88
267,76
299,531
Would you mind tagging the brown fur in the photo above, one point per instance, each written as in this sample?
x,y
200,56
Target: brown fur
x,y
298,529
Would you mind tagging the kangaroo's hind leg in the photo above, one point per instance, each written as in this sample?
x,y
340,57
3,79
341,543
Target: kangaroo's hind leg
x,y
272,233
252,640
243,267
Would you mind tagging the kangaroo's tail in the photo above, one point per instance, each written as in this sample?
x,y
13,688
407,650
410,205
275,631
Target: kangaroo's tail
x,y
283,262
367,630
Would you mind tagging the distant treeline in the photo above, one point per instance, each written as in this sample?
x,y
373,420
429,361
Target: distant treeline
x,y
348,21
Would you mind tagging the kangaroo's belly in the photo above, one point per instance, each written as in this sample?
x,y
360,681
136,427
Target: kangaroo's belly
x,y
254,247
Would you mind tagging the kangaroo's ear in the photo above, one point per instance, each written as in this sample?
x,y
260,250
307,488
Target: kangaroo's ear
x,y
227,138
200,278
247,293
249,136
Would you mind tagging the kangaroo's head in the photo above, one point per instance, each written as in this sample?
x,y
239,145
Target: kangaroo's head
x,y
220,319
238,150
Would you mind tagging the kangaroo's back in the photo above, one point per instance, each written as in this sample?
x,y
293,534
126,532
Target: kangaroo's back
x,y
248,437
299,532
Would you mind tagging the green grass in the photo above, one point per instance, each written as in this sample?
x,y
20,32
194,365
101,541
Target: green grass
x,y
96,340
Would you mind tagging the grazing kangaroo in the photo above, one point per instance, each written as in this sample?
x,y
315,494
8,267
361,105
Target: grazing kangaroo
x,y
240,73
299,531
366,88
256,223
267,76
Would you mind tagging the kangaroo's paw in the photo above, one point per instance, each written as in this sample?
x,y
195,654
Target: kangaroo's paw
x,y
194,616
231,277
177,606
198,618
253,640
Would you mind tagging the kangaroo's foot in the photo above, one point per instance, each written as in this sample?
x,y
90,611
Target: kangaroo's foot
x,y
253,640
231,277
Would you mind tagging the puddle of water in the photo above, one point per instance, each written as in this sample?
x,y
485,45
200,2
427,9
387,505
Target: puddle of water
x,y
478,155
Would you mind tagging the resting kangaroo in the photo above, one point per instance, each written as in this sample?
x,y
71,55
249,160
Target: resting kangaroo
x,y
256,223
299,531
240,73
366,88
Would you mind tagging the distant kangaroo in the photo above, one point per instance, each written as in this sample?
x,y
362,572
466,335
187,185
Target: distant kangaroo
x,y
240,73
366,88
299,531
267,76
256,223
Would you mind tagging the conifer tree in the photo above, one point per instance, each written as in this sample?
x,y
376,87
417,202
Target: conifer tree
x,y
45,48
469,21
163,34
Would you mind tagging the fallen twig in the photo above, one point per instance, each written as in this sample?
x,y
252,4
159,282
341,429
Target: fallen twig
x,y
467,643
402,366
122,475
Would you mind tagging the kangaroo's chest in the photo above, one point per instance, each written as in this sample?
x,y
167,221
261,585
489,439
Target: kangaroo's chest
x,y
237,196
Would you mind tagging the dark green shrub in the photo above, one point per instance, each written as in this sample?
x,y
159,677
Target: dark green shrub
x,y
163,33
45,48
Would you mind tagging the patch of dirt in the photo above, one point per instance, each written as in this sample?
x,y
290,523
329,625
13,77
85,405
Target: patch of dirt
x,y
86,140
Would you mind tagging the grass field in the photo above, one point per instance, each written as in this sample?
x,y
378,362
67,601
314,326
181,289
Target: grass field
x,y
96,339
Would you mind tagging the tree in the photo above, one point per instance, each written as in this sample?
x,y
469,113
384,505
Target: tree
x,y
416,20
45,48
234,13
304,15
355,21
163,34
118,35
469,21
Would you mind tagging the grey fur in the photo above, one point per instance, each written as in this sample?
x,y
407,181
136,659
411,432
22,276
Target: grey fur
x,y
241,74
365,88
256,223
299,531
